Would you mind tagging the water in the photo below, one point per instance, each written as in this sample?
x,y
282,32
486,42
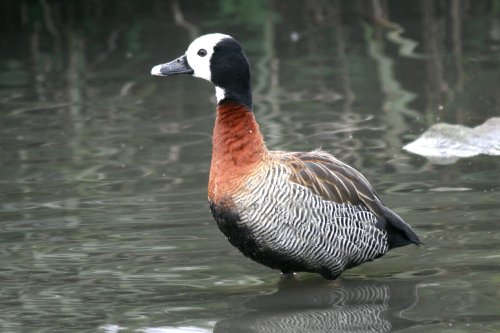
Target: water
x,y
104,222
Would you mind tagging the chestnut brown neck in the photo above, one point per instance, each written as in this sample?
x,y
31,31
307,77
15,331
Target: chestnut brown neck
x,y
237,150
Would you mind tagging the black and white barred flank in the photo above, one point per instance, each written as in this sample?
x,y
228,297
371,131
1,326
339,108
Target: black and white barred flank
x,y
292,227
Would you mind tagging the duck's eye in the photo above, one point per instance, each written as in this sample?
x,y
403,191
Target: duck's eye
x,y
202,52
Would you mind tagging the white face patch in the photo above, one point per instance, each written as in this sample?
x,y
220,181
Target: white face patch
x,y
200,52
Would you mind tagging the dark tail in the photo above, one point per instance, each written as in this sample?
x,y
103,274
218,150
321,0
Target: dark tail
x,y
399,233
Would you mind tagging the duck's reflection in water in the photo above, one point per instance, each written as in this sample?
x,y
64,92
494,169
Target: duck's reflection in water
x,y
321,306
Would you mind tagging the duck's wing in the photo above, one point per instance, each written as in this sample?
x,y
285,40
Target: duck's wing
x,y
336,181
332,179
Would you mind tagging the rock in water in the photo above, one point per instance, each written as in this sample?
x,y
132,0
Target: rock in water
x,y
445,143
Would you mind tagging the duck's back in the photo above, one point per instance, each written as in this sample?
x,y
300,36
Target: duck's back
x,y
310,212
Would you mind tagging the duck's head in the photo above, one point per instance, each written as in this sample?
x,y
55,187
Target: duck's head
x,y
219,59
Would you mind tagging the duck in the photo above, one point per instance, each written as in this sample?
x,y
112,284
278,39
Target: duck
x,y
290,211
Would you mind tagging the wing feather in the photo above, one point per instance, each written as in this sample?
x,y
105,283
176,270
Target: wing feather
x,y
336,181
332,179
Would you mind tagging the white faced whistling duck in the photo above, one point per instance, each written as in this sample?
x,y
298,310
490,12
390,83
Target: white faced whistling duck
x,y
292,211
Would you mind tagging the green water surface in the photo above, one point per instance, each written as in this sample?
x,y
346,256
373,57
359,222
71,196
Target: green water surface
x,y
104,221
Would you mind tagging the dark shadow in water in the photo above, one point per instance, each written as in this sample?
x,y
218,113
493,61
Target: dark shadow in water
x,y
317,306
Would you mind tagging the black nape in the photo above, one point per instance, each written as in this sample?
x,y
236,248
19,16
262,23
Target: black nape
x,y
231,71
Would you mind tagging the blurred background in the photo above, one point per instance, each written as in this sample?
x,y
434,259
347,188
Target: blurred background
x,y
104,222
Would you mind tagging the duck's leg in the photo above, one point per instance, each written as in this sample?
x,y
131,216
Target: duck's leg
x,y
287,275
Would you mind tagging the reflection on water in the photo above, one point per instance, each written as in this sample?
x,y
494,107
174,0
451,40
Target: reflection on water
x,y
319,306
104,224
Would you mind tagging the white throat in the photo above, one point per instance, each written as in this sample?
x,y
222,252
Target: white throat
x,y
220,94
